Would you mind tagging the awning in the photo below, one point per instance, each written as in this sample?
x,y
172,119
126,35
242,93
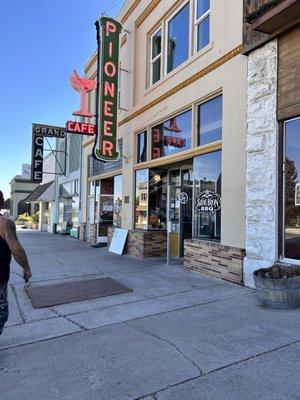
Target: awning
x,y
274,15
44,192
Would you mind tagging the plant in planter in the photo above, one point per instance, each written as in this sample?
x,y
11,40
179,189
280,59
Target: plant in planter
x,y
35,220
278,286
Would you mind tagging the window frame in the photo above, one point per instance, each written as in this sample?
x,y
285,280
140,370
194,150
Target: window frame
x,y
205,100
159,56
282,194
137,136
197,22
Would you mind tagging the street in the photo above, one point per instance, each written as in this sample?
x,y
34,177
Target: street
x,y
177,336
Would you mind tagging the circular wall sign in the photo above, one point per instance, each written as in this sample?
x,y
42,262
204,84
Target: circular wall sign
x,y
183,198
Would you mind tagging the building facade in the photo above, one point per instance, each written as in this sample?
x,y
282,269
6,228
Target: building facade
x,y
272,44
180,181
20,188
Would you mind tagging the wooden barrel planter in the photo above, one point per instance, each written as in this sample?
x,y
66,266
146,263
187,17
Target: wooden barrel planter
x,y
279,292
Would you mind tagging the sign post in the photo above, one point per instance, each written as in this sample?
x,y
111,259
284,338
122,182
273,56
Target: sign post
x,y
108,33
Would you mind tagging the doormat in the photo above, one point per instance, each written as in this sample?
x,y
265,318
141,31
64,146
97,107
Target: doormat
x,y
63,293
98,245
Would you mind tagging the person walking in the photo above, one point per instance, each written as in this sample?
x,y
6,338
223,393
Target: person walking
x,y
9,245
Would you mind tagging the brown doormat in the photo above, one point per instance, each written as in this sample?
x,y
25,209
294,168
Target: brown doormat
x,y
62,293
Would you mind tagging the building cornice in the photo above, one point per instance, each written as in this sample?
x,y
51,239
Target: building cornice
x,y
146,13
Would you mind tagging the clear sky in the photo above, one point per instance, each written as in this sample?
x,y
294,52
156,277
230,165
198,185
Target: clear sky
x,y
41,43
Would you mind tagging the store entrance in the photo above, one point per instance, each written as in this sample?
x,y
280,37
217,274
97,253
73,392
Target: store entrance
x,y
180,203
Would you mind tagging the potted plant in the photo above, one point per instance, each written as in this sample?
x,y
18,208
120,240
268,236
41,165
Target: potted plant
x,y
35,220
278,286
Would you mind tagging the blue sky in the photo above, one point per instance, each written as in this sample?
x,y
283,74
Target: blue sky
x,y
41,43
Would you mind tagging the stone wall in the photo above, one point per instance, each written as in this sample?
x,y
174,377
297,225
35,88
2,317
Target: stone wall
x,y
82,231
262,155
214,259
93,233
144,244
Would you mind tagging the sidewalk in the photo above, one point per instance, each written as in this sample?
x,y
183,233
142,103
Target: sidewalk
x,y
177,336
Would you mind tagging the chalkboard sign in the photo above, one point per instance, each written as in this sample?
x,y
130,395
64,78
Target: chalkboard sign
x,y
118,241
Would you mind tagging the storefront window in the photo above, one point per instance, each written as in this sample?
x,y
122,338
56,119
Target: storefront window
x,y
178,38
75,207
292,190
142,147
210,121
172,136
207,196
141,199
117,211
157,199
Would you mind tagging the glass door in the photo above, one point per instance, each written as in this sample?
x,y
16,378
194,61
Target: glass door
x,y
179,211
291,193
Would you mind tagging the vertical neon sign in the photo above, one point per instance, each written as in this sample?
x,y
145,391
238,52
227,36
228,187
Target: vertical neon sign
x,y
108,33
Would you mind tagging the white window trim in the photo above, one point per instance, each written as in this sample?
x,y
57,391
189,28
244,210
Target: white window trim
x,y
152,60
197,22
167,36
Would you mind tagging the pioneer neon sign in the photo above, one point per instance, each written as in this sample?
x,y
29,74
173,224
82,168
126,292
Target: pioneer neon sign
x,y
108,32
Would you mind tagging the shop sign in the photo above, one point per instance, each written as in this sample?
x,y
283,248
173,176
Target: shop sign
x,y
183,198
173,141
37,158
81,128
108,33
48,131
208,202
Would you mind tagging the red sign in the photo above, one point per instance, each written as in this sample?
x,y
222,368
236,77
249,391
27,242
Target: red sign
x,y
83,86
173,141
81,128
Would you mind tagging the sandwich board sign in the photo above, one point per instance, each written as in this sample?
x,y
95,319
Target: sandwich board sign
x,y
118,241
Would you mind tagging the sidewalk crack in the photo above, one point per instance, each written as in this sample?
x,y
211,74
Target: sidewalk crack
x,y
201,372
13,289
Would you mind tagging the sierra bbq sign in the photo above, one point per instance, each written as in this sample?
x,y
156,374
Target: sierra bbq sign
x,y
208,202
108,33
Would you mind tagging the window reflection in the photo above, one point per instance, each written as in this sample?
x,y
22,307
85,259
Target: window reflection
x,y
178,38
207,183
157,198
172,136
142,147
292,190
210,121
117,210
141,199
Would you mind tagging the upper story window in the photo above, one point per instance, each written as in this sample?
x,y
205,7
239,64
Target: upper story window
x,y
210,121
156,64
202,22
178,38
142,147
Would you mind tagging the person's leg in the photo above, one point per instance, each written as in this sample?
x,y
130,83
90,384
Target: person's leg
x,y
3,306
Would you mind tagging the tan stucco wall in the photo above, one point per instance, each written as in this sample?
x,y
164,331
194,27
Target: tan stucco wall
x,y
228,79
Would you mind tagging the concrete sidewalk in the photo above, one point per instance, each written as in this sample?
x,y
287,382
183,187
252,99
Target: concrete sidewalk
x,y
177,336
